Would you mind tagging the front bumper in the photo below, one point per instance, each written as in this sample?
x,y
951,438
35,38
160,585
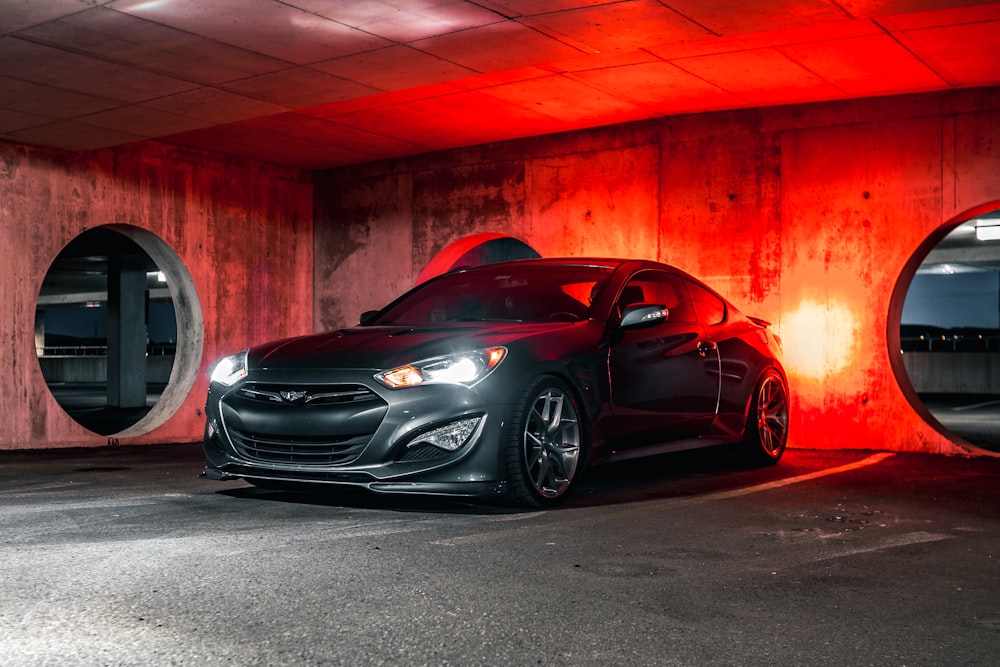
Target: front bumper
x,y
386,453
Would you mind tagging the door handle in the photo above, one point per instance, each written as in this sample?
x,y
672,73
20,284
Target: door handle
x,y
706,346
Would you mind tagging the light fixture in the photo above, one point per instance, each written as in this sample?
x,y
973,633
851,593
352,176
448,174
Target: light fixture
x,y
988,231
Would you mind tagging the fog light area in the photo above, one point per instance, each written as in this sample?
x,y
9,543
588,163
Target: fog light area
x,y
449,437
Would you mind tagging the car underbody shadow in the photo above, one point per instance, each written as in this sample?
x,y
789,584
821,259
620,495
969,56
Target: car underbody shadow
x,y
656,477
330,496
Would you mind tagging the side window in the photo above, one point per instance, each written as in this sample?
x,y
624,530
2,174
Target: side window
x,y
710,308
659,287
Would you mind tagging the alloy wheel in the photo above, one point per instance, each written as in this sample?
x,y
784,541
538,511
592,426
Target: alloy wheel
x,y
551,443
772,416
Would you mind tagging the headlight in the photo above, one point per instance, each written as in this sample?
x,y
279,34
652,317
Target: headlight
x,y
231,370
464,368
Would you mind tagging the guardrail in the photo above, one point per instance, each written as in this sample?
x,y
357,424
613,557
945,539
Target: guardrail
x,y
913,339
99,350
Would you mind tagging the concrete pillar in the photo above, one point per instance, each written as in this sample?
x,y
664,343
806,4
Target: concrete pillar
x,y
40,332
126,332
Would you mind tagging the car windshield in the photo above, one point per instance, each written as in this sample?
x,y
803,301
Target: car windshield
x,y
522,293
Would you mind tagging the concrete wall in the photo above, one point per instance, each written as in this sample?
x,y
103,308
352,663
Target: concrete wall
x,y
243,232
953,372
91,369
812,217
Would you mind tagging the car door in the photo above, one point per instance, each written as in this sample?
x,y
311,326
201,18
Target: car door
x,y
664,376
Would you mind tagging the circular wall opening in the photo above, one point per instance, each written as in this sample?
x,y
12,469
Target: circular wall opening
x,y
475,250
944,329
118,330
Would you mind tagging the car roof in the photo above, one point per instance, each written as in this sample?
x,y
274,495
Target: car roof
x,y
607,262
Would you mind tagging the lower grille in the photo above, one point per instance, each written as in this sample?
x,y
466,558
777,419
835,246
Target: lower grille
x,y
300,450
422,453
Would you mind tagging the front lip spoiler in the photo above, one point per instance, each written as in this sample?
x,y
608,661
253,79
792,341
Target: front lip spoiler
x,y
453,489
217,475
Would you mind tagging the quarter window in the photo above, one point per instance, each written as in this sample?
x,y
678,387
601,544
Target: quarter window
x,y
710,308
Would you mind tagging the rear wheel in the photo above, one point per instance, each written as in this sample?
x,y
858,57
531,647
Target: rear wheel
x,y
767,422
544,443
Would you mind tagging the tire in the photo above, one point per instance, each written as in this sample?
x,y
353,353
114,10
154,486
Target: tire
x,y
767,420
544,444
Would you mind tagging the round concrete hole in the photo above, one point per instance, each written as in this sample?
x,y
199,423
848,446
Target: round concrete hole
x,y
118,330
945,329
475,250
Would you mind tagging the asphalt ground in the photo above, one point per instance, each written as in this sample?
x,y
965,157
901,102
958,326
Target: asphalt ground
x,y
122,556
974,418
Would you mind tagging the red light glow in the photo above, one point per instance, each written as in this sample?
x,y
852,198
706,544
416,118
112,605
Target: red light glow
x,y
819,339
445,260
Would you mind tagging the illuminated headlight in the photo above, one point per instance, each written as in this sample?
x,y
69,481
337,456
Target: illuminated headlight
x,y
465,368
231,370
449,437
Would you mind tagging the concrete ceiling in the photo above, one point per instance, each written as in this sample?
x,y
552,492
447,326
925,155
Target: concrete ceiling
x,y
324,83
961,251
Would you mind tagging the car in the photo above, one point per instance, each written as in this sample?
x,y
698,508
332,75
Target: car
x,y
503,381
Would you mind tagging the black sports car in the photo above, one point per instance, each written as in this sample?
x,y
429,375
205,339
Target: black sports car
x,y
503,380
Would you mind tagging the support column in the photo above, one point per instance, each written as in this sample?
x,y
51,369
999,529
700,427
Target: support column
x,y
126,332
39,332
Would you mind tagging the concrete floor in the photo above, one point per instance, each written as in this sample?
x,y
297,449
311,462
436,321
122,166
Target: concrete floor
x,y
87,403
123,557
975,418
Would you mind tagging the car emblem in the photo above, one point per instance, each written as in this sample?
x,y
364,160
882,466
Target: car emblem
x,y
293,396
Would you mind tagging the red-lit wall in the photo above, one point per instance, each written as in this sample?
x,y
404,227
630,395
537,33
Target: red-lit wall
x,y
806,216
243,231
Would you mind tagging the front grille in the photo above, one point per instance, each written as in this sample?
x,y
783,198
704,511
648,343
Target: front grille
x,y
306,395
324,450
301,424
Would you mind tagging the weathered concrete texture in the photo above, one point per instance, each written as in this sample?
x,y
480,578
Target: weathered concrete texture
x,y
476,198
600,202
954,372
242,231
807,216
363,241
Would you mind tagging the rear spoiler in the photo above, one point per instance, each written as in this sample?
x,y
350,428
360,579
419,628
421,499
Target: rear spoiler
x,y
764,324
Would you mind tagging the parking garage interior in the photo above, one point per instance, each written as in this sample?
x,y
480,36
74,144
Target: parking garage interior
x,y
289,166
180,180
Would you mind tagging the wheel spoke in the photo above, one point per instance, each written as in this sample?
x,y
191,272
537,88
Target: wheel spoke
x,y
562,458
543,470
552,412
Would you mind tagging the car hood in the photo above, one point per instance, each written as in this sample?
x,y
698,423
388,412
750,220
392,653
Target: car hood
x,y
382,347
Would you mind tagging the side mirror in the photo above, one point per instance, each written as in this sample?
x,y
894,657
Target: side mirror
x,y
367,317
643,314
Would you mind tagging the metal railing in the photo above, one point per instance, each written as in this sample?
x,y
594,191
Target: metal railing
x,y
950,340
153,350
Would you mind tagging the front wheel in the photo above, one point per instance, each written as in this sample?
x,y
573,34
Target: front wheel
x,y
544,443
767,421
